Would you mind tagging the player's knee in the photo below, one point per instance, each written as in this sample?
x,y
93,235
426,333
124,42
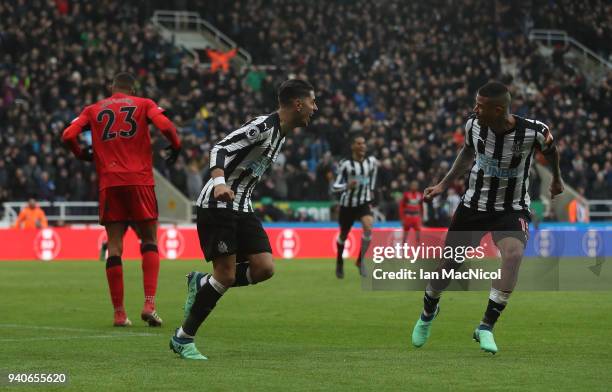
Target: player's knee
x,y
261,267
266,271
513,254
148,234
115,249
148,247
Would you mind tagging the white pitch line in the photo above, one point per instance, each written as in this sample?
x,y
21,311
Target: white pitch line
x,y
64,329
117,336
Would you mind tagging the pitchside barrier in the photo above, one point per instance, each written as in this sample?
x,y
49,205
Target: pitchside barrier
x,y
289,241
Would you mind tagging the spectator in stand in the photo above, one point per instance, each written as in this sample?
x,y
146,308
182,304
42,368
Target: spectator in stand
x,y
31,216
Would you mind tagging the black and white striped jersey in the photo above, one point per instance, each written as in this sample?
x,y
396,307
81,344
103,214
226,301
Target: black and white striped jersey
x,y
364,173
244,155
499,178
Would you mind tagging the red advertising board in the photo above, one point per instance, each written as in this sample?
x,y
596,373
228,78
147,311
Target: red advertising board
x,y
83,243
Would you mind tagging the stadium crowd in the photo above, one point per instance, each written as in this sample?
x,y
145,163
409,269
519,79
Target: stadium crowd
x,y
590,22
403,74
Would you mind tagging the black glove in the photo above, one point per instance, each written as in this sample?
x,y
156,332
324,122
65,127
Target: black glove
x,y
86,154
172,154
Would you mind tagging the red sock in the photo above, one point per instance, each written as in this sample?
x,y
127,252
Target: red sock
x,y
150,271
114,275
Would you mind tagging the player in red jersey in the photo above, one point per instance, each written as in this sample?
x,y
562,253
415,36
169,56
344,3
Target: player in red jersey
x,y
121,150
411,211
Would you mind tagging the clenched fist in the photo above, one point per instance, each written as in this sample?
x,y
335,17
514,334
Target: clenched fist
x,y
223,192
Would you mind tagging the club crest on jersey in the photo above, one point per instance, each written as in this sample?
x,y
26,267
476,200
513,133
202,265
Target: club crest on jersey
x,y
222,247
252,133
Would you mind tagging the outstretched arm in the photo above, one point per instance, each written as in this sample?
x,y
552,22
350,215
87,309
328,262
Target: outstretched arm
x,y
546,144
552,156
460,166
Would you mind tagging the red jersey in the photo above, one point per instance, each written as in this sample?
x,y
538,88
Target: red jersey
x,y
120,138
411,204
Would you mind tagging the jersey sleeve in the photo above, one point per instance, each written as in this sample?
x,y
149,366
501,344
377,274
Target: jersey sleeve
x,y
468,131
71,133
241,139
167,128
341,179
83,119
373,173
544,138
152,109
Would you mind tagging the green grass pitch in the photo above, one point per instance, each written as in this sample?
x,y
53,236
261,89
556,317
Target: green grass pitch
x,y
303,330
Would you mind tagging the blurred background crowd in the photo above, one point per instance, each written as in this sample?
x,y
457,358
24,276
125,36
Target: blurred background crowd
x,y
404,74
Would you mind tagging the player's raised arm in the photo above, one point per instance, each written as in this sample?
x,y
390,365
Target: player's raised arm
x,y
460,166
340,184
546,144
71,134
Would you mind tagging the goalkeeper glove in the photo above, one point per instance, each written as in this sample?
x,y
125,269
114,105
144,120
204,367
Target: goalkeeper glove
x,y
86,154
172,155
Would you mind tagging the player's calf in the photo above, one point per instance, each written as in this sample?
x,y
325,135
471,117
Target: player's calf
x,y
207,296
366,237
195,280
150,273
204,302
339,258
114,277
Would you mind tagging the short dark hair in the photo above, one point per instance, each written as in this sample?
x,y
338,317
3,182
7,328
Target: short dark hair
x,y
493,89
124,80
355,136
292,89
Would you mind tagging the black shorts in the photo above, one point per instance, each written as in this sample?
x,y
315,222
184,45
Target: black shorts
x,y
225,232
469,226
348,215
